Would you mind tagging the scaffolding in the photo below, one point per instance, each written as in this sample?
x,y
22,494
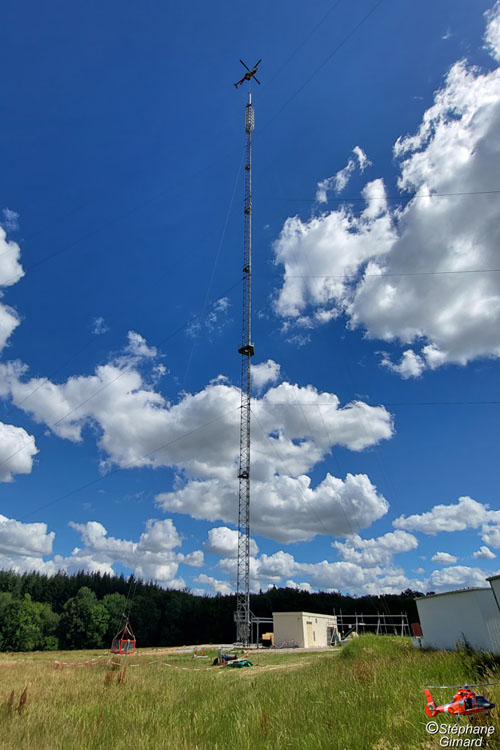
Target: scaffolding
x,y
256,622
380,624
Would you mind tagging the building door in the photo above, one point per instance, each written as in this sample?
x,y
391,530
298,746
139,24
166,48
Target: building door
x,y
309,627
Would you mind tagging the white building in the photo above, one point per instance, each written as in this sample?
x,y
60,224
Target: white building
x,y
304,629
470,613
495,587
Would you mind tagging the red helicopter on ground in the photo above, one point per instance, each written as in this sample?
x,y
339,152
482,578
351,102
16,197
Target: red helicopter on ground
x,y
250,74
465,702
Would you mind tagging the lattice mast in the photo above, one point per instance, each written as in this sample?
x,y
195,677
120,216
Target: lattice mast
x,y
247,350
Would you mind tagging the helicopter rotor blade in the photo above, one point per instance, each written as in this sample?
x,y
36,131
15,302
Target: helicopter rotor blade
x,y
482,684
256,79
245,65
258,63
466,685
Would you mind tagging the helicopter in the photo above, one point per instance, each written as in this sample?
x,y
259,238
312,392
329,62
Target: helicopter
x,y
464,703
250,74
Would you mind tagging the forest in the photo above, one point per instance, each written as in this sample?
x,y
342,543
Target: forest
x,y
85,610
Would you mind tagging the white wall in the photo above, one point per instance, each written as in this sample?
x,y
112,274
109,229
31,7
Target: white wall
x,y
495,587
445,618
288,626
319,627
292,626
491,617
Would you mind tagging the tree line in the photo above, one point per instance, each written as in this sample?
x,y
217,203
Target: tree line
x,y
85,610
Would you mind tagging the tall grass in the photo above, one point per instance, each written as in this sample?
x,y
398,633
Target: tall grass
x,y
367,696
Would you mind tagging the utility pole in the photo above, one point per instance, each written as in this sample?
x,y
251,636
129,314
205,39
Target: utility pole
x,y
243,616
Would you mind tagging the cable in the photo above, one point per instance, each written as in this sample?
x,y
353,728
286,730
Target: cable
x,y
99,390
348,520
214,265
304,41
378,275
128,603
128,465
322,65
309,505
90,341
410,197
289,473
386,403
200,315
172,190
335,457
45,380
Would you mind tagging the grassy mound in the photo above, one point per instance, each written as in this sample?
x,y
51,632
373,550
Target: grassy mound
x,y
366,696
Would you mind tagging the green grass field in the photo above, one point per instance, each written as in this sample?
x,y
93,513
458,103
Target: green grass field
x,y
366,696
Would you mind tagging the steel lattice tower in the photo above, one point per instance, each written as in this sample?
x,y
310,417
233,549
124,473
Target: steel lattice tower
x,y
243,615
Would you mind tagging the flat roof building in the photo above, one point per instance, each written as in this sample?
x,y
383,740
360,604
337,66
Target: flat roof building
x,y
304,629
470,614
494,582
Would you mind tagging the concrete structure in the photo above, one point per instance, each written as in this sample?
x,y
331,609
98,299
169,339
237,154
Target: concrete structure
x,y
470,613
304,629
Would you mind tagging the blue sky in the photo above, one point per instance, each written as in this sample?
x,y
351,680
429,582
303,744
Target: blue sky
x,y
376,313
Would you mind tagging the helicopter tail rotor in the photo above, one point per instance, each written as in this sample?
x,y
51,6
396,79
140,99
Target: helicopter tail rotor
x,y
430,708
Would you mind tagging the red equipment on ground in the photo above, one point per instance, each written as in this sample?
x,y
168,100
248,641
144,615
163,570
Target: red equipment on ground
x,y
124,640
416,630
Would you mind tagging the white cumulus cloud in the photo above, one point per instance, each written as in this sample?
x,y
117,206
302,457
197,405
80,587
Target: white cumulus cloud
x,y
216,585
10,273
413,275
223,542
24,539
490,534
153,557
484,553
294,429
265,373
138,346
304,586
99,326
459,576
444,558
411,365
286,508
194,559
369,553
213,322
339,181
10,219
466,514
17,449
